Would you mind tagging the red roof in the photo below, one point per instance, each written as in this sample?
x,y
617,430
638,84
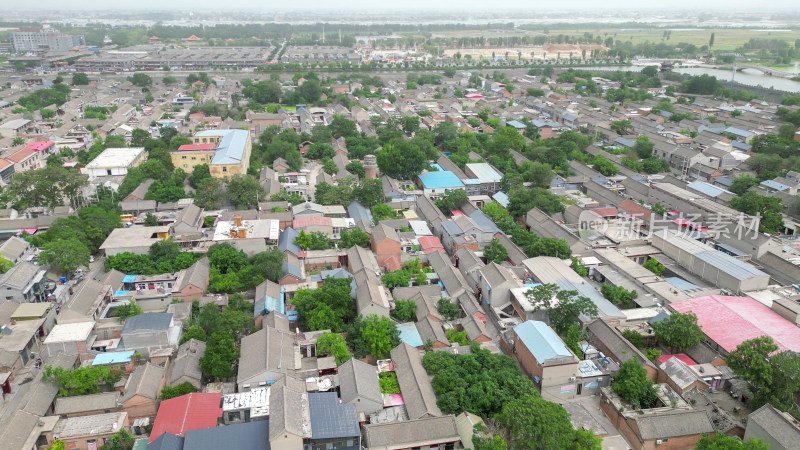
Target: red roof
x,y
197,147
196,116
21,155
393,264
187,412
729,321
39,146
682,356
311,221
608,211
430,244
635,210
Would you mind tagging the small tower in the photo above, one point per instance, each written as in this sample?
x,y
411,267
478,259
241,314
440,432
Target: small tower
x,y
370,167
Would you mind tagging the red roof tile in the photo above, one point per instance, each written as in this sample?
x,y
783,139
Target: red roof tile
x,y
682,356
21,155
187,412
310,221
634,209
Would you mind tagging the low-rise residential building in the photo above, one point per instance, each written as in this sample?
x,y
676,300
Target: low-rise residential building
x,y
141,391
226,152
115,161
779,430
543,354
25,282
90,432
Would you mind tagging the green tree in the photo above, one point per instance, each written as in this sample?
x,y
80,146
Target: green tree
x,y
268,265
325,308
643,147
401,160
168,392
194,332
448,309
81,381
773,377
619,296
199,173
562,307
369,193
579,267
769,208
654,266
141,80
379,334
5,265
719,441
48,187
382,211
634,337
329,167
405,310
521,200
356,168
121,440
245,191
150,220
333,344
495,252
354,236
80,79
631,383
536,423
453,199
678,331
58,444
342,127
604,166
65,255
210,193
139,137
122,312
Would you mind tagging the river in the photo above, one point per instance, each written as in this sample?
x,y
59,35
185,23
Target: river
x,y
747,77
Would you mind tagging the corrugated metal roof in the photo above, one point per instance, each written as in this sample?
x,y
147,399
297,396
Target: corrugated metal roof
x,y
409,334
772,184
485,172
440,179
707,189
541,340
730,265
112,358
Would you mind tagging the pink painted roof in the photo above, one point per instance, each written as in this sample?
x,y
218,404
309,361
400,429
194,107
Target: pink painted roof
x,y
682,356
456,212
303,222
196,115
473,96
39,146
197,147
729,321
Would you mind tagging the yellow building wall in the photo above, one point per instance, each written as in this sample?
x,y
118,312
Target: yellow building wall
x,y
186,160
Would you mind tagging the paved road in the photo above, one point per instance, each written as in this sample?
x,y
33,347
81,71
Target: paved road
x,y
315,167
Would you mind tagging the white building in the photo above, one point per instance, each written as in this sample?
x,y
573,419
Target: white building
x,y
115,161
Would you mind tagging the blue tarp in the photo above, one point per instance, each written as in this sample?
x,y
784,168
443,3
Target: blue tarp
x,y
120,293
129,278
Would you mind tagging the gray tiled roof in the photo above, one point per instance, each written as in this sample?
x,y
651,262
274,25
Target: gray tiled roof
x,y
415,385
150,321
331,419
196,275
679,423
286,241
776,425
411,433
244,436
288,408
431,329
168,442
359,379
187,362
144,381
86,403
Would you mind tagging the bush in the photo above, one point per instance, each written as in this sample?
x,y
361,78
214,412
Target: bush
x,y
169,392
448,309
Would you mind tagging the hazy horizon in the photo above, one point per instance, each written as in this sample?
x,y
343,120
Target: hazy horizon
x,y
457,7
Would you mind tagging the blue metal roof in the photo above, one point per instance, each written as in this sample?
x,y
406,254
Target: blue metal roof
x,y
741,146
129,278
707,189
359,212
409,334
772,184
730,265
501,198
724,181
440,179
516,124
484,222
112,358
739,132
682,284
452,228
625,142
230,149
120,293
541,340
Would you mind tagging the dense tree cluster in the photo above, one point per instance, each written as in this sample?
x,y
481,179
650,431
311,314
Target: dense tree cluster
x,y
773,376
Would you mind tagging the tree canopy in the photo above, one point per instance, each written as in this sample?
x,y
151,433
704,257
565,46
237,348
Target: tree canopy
x,y
773,377
679,331
631,383
329,307
562,307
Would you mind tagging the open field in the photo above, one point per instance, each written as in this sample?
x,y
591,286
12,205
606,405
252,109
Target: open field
x,y
724,38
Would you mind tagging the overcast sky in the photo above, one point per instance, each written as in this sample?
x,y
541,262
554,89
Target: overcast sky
x,y
460,6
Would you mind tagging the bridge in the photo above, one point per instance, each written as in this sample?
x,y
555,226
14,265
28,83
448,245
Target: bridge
x,y
767,70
